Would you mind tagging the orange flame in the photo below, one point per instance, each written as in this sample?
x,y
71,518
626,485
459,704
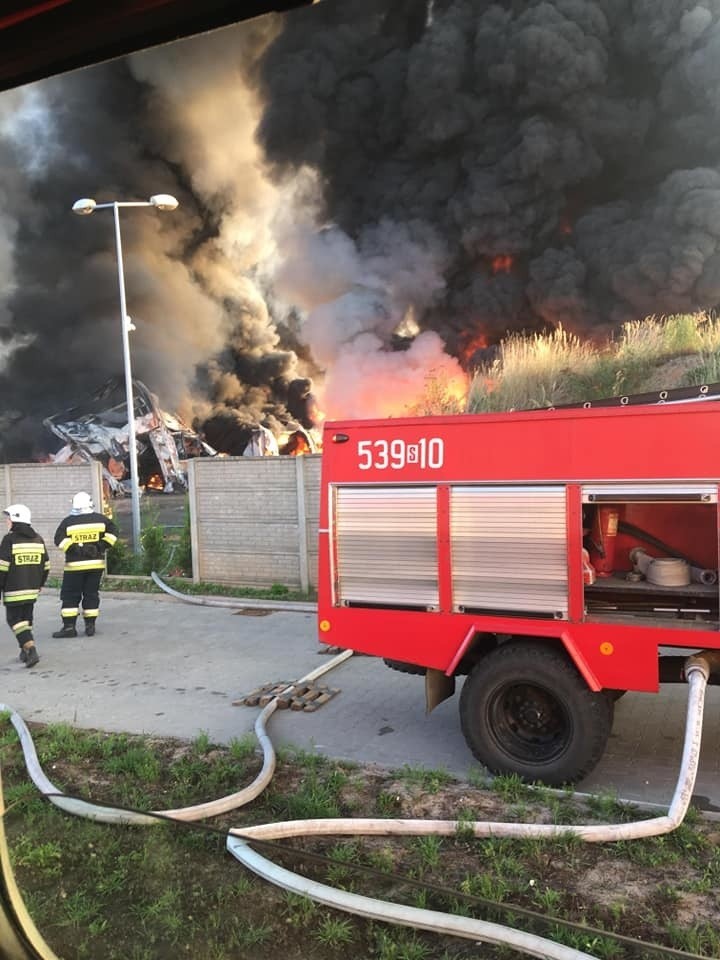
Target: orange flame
x,y
155,482
502,263
471,344
297,445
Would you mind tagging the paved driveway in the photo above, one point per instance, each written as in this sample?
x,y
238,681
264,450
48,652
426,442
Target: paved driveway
x,y
164,667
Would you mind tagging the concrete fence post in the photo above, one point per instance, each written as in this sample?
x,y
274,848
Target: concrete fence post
x,y
192,502
302,524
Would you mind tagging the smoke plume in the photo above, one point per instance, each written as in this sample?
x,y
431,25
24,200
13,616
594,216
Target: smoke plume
x,y
355,177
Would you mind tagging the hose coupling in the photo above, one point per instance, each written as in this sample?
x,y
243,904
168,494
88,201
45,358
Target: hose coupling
x,y
706,662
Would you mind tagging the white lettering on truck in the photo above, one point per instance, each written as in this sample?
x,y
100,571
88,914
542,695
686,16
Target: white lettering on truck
x,y
397,454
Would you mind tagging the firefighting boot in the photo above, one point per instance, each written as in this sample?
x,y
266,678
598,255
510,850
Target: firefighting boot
x,y
67,629
31,655
89,626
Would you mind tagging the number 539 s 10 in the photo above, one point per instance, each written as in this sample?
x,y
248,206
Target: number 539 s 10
x,y
396,454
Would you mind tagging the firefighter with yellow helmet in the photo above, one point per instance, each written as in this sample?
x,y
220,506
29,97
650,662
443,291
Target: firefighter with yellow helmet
x,y
24,568
84,536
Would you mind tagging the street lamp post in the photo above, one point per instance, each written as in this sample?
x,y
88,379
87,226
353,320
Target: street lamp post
x,y
162,201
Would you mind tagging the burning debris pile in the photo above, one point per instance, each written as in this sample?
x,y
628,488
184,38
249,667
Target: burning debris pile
x,y
286,428
98,430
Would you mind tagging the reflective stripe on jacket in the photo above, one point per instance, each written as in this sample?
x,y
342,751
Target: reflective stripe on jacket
x,y
24,564
84,538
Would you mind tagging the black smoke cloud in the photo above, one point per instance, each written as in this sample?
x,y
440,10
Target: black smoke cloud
x,y
347,171
579,137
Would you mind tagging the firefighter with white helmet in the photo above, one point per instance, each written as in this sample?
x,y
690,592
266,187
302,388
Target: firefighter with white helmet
x,y
83,536
24,568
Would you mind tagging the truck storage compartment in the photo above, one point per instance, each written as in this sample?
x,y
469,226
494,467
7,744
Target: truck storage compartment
x,y
386,546
509,549
655,549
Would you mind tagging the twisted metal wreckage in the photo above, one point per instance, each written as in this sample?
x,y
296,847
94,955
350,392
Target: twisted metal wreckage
x,y
97,429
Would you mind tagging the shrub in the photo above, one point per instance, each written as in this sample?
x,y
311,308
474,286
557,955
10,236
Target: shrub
x,y
182,557
154,549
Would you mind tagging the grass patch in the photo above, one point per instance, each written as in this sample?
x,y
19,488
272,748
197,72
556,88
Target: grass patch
x,y
142,584
104,892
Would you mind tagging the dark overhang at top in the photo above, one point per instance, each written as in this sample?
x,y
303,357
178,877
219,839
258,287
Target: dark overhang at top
x,y
42,38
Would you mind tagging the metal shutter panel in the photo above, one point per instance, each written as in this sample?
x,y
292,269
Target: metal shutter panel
x,y
509,549
386,540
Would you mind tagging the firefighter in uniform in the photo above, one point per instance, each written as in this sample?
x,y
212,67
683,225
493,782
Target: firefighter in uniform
x,y
24,568
83,536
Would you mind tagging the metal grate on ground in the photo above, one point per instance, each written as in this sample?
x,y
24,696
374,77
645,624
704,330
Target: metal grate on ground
x,y
293,696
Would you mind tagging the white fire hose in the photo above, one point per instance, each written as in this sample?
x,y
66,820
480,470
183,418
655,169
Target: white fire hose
x,y
241,603
697,671
102,814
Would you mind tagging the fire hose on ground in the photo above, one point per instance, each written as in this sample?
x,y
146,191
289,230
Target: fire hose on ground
x,y
290,606
697,672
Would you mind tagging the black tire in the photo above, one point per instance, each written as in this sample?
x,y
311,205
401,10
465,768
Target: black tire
x,y
525,709
403,667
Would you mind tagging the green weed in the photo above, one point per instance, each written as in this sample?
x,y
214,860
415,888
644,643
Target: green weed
x,y
315,797
547,898
343,855
382,859
511,787
333,932
388,804
201,744
79,910
44,857
299,911
428,848
242,748
465,830
400,945
136,761
62,742
486,886
702,939
245,933
429,780
605,806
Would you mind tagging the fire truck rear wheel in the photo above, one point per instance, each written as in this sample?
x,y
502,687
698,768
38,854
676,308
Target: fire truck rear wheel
x,y
525,709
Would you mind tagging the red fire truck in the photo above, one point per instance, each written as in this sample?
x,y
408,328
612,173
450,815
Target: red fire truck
x,y
555,558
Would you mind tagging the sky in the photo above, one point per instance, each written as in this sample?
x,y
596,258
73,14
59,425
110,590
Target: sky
x,y
370,194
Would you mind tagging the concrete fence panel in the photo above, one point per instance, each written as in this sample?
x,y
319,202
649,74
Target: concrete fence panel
x,y
47,489
254,520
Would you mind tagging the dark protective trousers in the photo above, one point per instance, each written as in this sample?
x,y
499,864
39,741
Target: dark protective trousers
x,y
20,620
80,587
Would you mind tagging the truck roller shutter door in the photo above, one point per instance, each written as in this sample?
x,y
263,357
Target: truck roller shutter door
x,y
509,549
386,546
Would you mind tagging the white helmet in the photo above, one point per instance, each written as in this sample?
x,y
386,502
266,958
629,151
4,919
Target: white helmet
x,y
82,503
18,513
